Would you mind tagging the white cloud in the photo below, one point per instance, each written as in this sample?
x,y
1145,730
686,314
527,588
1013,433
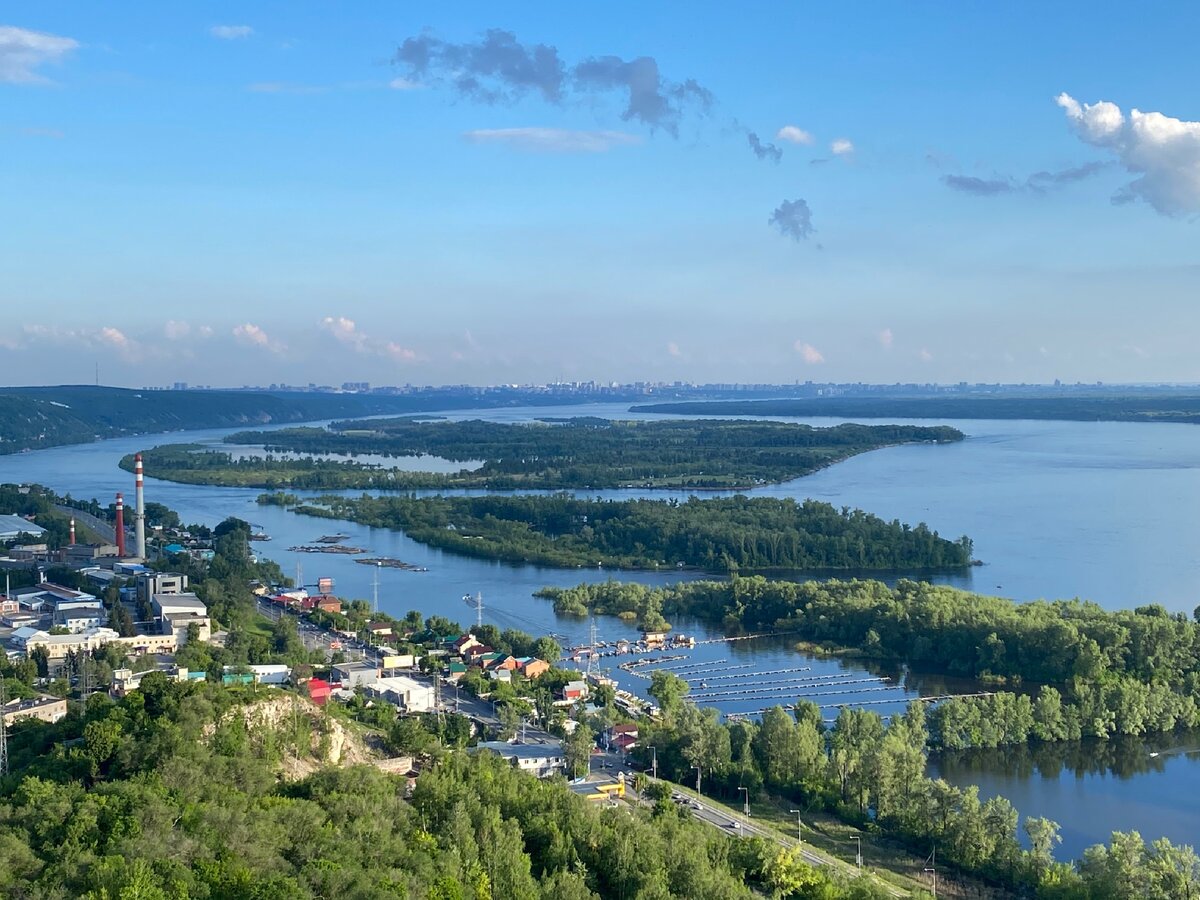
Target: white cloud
x,y
231,32
22,52
1162,151
253,336
793,135
886,338
924,355
673,349
399,353
403,84
811,355
553,140
176,331
345,331
841,147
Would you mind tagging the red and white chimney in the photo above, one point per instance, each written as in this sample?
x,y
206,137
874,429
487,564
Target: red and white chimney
x,y
72,532
139,511
120,527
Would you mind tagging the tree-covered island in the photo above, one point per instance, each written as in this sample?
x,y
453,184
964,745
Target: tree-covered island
x,y
557,454
720,534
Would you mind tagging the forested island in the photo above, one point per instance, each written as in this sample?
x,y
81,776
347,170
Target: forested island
x,y
721,534
1131,407
1084,671
576,453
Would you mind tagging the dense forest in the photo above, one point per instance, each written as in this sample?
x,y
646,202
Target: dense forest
x,y
874,774
199,791
585,453
1101,408
1101,673
722,534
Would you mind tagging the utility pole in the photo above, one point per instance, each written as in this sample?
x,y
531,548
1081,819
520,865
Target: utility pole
x,y
654,764
3,731
375,585
858,854
932,869
799,836
697,768
746,800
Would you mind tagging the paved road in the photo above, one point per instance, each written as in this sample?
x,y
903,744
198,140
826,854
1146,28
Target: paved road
x,y
103,530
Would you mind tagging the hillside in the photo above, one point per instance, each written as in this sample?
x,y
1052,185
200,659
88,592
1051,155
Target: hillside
x,y
32,418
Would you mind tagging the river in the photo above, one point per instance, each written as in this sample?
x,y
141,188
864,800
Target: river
x,y
1056,509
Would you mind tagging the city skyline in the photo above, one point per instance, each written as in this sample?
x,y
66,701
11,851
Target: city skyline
x,y
259,194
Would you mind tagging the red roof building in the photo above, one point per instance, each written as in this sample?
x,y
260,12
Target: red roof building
x,y
319,691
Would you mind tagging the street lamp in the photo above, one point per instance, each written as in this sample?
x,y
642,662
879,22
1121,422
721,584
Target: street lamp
x,y
858,855
746,800
697,768
654,764
799,836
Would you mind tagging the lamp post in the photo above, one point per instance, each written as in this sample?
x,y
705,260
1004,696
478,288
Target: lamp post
x,y
858,855
697,768
654,763
799,836
745,800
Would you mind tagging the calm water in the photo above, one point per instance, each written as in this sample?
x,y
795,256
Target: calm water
x,y
1056,509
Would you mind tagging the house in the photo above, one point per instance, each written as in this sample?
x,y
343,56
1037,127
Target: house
x,y
621,737
473,653
267,674
575,690
44,708
457,671
328,603
319,691
8,607
541,759
465,643
380,629
532,667
505,664
654,638
410,695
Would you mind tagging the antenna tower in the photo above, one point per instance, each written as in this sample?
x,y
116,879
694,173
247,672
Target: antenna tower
x,y
593,665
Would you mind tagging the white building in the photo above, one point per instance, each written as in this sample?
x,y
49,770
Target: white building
x,y
177,612
542,760
353,674
410,695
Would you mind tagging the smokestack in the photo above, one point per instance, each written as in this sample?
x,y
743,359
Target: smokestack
x,y
139,512
72,532
120,527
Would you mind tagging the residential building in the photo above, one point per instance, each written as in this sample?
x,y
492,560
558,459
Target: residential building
x,y
319,691
59,646
575,690
532,667
8,606
44,708
542,759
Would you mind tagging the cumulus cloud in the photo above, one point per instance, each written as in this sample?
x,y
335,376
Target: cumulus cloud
x,y
886,338
553,140
253,336
793,135
347,333
793,219
1163,152
231,32
763,151
23,52
498,68
841,147
810,354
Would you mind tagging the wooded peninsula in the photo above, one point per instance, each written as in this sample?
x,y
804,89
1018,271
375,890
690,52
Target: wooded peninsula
x,y
577,453
721,534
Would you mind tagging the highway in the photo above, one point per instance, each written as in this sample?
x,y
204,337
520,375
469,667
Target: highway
x,y
103,530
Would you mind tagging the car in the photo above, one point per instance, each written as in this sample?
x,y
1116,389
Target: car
x,y
696,805
734,824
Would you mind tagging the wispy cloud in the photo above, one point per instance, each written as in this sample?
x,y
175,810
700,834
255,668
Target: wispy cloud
x,y
673,350
841,147
886,338
982,187
793,219
231,32
553,140
403,84
810,354
498,68
794,135
1037,183
1162,151
23,52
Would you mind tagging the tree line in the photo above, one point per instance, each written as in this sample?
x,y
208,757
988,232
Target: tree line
x,y
721,534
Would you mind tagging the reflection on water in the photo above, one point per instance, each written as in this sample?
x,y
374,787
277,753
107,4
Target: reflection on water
x,y
1092,788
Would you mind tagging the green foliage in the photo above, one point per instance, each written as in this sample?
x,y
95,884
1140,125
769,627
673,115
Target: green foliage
x,y
718,534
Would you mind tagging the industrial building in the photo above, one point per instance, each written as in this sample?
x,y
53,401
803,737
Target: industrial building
x,y
541,759
12,527
175,613
410,695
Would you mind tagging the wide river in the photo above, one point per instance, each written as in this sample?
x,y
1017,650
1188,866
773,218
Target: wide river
x,y
1056,509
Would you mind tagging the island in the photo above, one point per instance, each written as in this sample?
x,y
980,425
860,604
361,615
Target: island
x,y
580,453
721,534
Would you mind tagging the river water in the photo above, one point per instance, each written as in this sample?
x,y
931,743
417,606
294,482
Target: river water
x,y
1056,509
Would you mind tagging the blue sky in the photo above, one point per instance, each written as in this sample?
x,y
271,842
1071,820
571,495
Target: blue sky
x,y
264,192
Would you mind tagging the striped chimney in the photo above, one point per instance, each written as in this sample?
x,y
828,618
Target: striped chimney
x,y
139,511
120,527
